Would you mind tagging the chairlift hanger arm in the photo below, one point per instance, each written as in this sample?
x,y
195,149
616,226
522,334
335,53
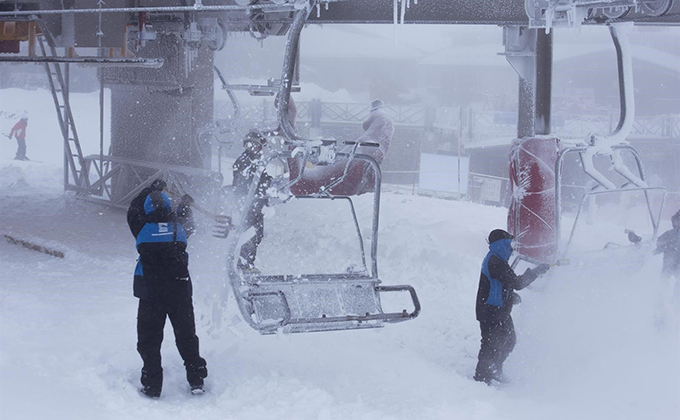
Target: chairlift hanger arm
x,y
288,72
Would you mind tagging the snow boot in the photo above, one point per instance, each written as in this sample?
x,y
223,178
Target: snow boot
x,y
501,378
249,269
197,389
483,378
151,392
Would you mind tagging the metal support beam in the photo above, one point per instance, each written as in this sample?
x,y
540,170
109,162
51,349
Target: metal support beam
x,y
153,63
543,90
529,52
526,109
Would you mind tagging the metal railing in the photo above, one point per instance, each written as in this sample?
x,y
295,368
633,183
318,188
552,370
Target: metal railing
x,y
119,180
479,188
474,125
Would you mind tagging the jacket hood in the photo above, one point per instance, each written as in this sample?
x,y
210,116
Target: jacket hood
x,y
501,248
151,205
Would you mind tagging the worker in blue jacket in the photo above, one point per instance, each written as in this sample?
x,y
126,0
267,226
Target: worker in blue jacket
x,y
163,285
495,298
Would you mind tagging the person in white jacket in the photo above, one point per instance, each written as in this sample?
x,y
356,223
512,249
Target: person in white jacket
x,y
378,129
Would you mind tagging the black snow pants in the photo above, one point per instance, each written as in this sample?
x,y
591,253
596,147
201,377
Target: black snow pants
x,y
498,341
150,322
249,248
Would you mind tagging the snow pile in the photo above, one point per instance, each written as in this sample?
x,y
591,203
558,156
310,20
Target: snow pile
x,y
587,346
19,177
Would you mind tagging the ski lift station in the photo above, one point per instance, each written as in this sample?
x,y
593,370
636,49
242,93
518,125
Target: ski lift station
x,y
157,60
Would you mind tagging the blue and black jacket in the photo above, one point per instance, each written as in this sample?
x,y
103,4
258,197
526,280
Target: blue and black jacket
x,y
498,281
161,240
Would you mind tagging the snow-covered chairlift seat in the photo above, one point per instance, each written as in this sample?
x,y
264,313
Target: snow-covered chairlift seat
x,y
324,302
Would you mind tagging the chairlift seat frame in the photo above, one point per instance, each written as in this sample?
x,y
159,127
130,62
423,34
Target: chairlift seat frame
x,y
318,302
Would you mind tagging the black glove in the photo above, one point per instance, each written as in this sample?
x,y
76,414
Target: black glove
x,y
186,200
632,237
542,269
158,185
515,299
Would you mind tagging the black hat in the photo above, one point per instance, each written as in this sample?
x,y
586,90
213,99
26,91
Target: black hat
x,y
498,234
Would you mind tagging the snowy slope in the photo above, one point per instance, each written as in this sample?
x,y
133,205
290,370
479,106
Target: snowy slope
x,y
588,346
43,137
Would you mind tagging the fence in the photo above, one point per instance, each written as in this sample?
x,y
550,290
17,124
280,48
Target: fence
x,y
474,125
480,188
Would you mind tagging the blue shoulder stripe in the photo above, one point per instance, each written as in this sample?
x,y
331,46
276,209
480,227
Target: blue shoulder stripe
x,y
495,297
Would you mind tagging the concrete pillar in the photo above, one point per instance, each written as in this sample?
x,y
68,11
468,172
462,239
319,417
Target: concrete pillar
x,y
156,114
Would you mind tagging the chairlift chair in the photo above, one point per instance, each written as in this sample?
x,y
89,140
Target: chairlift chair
x,y
318,302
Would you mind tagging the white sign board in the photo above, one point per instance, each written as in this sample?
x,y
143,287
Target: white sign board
x,y
440,173
491,189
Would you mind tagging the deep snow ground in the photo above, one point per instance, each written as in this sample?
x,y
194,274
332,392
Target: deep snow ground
x,y
587,345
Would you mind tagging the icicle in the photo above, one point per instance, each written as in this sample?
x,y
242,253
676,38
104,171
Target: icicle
x,y
399,12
